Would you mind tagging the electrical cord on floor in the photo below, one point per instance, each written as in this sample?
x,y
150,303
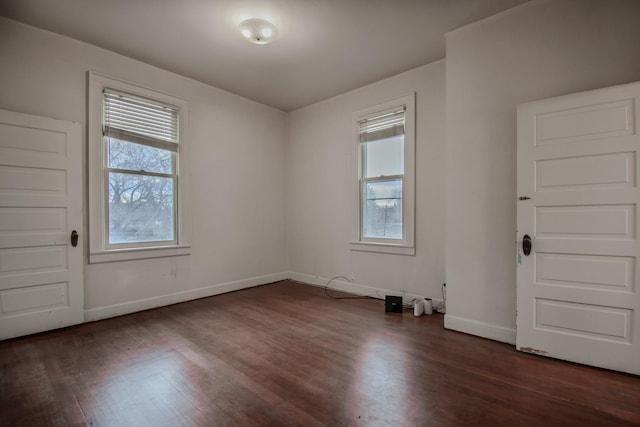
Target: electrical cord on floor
x,y
442,307
326,290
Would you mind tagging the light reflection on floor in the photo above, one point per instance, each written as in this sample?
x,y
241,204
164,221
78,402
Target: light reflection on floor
x,y
149,390
381,383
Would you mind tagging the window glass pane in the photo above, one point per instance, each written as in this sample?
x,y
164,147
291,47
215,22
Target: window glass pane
x,y
382,209
384,157
138,157
141,208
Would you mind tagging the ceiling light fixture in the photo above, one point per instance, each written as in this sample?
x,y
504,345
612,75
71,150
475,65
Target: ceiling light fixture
x,y
258,31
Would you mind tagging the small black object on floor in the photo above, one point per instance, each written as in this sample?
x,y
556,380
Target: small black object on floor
x,y
392,304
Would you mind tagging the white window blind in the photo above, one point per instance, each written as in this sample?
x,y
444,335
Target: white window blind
x,y
383,126
136,119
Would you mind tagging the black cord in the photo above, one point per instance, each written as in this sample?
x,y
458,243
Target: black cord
x,y
326,290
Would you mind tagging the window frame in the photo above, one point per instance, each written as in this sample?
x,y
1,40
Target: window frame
x,y
357,241
100,250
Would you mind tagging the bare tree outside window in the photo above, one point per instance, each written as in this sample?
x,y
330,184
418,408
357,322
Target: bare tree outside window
x,y
141,193
383,209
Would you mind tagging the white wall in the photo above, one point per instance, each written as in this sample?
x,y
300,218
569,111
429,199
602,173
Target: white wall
x,y
236,166
270,190
317,213
538,50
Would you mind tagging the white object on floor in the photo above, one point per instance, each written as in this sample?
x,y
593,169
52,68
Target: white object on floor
x,y
418,308
427,306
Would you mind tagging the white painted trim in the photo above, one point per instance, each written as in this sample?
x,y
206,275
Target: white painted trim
x,y
407,245
485,330
139,253
382,248
354,288
128,307
97,187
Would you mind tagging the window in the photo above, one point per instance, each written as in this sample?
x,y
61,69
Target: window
x,y
384,151
137,151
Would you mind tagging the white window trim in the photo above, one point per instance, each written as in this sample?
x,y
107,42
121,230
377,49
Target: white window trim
x,y
407,245
98,249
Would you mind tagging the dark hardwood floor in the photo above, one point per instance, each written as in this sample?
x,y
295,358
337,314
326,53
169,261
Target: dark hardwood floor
x,y
285,354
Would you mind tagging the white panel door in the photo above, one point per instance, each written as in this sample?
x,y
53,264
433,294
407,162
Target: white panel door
x,y
41,284
578,289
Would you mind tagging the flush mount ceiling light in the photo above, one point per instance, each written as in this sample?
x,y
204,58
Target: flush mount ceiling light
x,y
258,31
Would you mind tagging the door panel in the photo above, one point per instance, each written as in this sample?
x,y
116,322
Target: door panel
x,y
601,121
577,291
589,321
41,284
588,221
585,271
586,172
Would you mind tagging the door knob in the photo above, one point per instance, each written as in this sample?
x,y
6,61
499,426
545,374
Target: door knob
x,y
526,245
74,238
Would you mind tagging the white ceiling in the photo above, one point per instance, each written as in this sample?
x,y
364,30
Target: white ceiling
x,y
324,47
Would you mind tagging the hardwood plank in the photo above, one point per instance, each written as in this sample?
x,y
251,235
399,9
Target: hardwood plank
x,y
285,354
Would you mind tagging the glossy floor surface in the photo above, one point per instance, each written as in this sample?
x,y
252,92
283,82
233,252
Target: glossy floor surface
x,y
285,354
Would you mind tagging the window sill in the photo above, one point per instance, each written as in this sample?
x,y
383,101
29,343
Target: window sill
x,y
115,255
384,248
